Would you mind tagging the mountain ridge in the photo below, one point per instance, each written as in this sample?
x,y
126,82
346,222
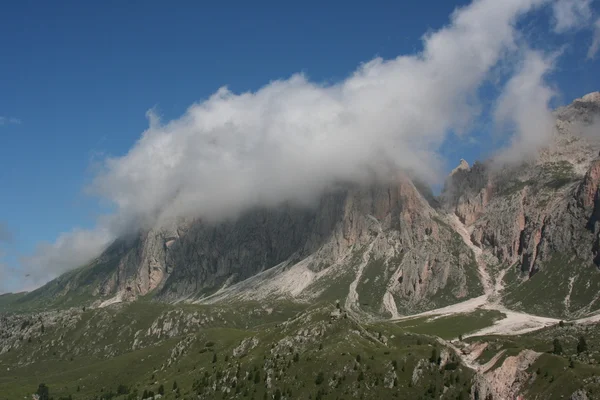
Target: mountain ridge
x,y
393,244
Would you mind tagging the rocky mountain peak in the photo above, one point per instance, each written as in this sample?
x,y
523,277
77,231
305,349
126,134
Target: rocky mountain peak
x,y
593,97
463,165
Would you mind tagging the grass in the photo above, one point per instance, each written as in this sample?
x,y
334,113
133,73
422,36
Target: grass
x,y
8,300
558,174
545,292
372,286
144,345
451,327
289,354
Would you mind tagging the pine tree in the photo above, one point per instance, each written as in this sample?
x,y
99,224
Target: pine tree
x,y
43,392
320,378
214,360
257,376
581,345
174,385
557,347
161,389
434,355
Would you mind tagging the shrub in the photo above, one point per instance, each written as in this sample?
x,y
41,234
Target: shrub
x,y
557,347
320,378
581,345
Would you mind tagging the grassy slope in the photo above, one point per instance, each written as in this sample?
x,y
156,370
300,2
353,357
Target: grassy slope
x,y
451,327
95,355
545,292
553,375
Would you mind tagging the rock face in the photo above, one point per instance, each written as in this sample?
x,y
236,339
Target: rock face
x,y
505,381
389,248
541,216
383,247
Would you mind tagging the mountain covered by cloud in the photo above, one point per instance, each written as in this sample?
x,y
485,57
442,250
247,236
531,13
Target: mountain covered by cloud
x,y
293,138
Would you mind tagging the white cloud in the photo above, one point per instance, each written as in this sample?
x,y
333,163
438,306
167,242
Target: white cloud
x,y
595,41
571,14
5,233
9,121
524,107
69,251
292,138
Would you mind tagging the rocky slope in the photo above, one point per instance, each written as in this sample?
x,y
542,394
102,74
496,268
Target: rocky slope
x,y
382,247
542,216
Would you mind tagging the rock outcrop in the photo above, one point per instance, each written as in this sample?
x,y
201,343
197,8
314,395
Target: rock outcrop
x,y
505,381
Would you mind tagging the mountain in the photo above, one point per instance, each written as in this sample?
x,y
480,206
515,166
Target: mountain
x,y
539,221
385,244
387,249
488,291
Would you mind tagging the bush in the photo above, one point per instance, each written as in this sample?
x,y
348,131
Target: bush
x,y
43,392
435,356
122,389
451,366
257,376
320,378
557,347
581,345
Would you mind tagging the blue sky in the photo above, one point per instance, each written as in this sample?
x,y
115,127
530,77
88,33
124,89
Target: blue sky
x,y
77,78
